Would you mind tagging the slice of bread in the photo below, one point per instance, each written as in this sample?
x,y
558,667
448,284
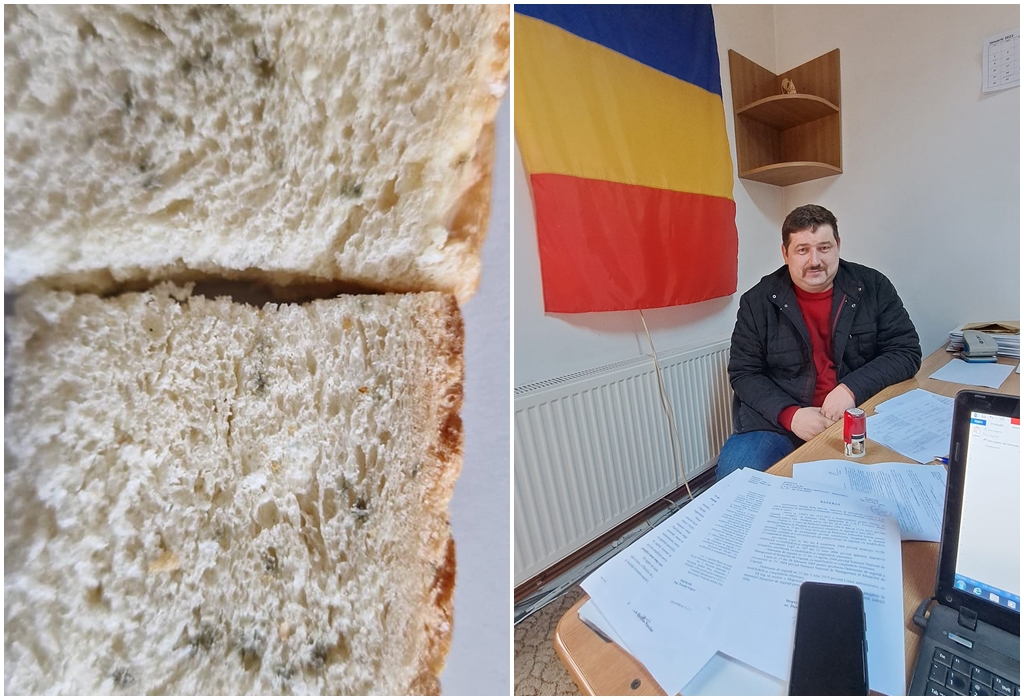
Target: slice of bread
x,y
208,497
279,144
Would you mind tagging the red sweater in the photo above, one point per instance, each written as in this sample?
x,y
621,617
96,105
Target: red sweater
x,y
816,309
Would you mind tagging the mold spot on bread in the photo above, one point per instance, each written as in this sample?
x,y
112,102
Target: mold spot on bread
x,y
204,639
323,653
259,385
270,564
361,509
122,677
251,647
283,672
351,189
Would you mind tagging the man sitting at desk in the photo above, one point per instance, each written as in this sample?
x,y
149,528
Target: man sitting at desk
x,y
814,338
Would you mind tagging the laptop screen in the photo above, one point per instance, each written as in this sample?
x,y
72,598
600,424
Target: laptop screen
x,y
988,550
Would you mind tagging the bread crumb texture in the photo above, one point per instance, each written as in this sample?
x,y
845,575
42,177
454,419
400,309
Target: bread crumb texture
x,y
206,497
348,143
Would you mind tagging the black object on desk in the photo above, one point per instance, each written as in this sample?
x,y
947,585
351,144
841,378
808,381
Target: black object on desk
x,y
830,647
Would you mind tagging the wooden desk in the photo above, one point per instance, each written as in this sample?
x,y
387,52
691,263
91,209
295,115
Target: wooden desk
x,y
602,668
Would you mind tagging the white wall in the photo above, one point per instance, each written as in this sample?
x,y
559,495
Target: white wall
x,y
930,187
930,190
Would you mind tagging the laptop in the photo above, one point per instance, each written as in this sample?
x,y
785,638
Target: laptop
x,y
971,643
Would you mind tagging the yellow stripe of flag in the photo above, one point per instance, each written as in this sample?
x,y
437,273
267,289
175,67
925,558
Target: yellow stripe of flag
x,y
584,110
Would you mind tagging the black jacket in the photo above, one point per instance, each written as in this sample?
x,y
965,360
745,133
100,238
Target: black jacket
x,y
874,345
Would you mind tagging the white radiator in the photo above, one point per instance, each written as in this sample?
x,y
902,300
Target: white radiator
x,y
594,448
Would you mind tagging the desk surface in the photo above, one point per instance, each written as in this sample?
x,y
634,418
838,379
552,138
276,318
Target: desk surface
x,y
602,668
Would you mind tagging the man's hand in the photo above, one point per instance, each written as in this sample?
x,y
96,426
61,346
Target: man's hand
x,y
836,403
808,422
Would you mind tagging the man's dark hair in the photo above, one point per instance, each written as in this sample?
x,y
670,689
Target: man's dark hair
x,y
809,216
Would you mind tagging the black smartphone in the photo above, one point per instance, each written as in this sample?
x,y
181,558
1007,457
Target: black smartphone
x,y
830,648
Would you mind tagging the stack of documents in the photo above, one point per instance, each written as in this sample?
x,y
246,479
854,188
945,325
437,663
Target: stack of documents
x,y
1005,333
721,577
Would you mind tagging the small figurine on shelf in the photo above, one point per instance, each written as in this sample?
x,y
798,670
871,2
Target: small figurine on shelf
x,y
788,88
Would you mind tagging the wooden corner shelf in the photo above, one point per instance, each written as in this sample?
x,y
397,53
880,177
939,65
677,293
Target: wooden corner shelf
x,y
783,174
786,111
784,139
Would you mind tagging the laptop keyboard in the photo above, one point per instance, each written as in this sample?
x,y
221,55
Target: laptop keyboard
x,y
951,675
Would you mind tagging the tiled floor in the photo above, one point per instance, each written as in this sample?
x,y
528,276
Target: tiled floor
x,y
538,671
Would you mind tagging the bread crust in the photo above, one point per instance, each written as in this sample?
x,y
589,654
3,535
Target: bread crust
x,y
473,212
439,634
448,452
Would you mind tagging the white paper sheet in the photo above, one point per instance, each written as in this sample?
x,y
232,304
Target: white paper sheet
x,y
911,435
635,567
989,374
927,404
916,424
637,592
918,491
799,537
721,676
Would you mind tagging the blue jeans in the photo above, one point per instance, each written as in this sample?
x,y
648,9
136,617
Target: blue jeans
x,y
756,450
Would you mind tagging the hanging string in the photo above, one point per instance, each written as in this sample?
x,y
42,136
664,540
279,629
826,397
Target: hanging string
x,y
677,446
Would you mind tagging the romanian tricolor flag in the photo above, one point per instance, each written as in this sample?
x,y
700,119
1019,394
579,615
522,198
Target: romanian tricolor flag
x,y
619,118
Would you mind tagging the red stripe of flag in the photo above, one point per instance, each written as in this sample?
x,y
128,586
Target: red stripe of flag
x,y
602,242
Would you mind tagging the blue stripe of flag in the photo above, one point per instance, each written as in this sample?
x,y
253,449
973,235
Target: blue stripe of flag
x,y
675,39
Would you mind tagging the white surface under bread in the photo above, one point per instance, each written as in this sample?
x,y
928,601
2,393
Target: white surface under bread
x,y
480,658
